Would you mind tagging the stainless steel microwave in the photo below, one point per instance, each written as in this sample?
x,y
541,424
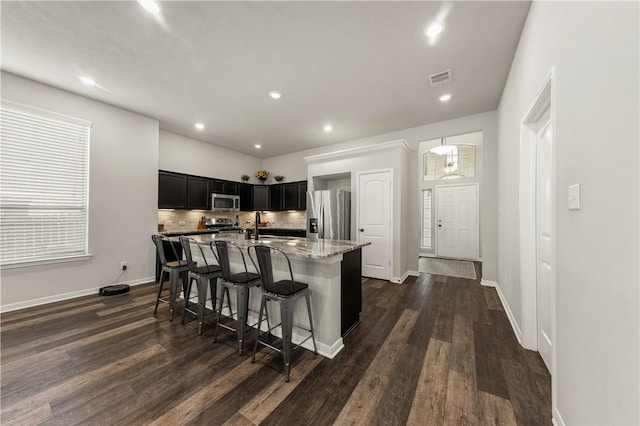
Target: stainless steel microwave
x,y
225,203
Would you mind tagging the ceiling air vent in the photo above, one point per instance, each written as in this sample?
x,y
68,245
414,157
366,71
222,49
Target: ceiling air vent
x,y
440,78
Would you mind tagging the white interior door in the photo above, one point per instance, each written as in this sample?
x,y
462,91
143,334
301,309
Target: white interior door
x,y
374,223
544,237
457,221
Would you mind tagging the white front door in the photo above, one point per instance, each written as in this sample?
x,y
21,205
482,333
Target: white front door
x,y
544,237
457,221
374,223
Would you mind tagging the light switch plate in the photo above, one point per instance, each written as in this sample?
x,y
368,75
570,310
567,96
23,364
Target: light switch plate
x,y
574,197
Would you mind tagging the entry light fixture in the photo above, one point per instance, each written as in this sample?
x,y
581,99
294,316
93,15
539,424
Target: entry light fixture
x,y
275,94
443,148
258,146
199,126
445,97
328,127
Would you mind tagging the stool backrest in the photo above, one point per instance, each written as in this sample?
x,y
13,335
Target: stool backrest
x,y
222,256
187,244
159,241
265,265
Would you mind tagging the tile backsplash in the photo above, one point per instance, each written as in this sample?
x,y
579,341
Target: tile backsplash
x,y
187,220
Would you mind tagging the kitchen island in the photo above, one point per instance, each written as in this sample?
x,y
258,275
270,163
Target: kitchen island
x,y
332,268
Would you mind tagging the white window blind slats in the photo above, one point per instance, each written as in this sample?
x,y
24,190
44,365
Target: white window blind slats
x,y
43,185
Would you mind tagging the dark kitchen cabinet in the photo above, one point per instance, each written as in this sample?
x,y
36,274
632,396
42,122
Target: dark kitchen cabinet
x,y
198,193
261,197
295,196
231,188
245,191
276,197
172,190
217,186
302,195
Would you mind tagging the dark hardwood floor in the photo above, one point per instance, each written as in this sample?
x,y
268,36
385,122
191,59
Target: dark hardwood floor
x,y
433,351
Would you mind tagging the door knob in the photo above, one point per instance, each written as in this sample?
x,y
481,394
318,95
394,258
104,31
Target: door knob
x,y
361,229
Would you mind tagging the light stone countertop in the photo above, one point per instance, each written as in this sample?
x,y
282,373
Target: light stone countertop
x,y
298,247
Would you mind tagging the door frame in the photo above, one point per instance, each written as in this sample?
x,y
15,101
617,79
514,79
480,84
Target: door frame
x,y
391,211
477,212
545,99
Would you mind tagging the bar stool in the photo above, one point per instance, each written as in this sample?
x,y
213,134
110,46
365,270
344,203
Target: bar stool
x,y
286,292
175,269
241,282
202,275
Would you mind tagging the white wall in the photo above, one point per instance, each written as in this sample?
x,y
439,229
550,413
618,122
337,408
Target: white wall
x,y
594,49
485,122
123,193
191,156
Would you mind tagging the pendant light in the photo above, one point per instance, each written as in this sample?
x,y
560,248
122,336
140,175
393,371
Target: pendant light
x,y
443,148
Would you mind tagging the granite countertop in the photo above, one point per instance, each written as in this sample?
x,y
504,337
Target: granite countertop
x,y
298,247
197,232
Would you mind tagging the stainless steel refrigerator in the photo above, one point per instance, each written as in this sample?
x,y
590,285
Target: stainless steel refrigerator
x,y
329,214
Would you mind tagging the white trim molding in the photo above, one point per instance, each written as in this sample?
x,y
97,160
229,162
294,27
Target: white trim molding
x,y
406,275
507,308
66,296
358,151
556,418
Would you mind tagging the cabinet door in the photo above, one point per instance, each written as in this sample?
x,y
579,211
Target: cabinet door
x,y
302,195
276,197
261,197
172,191
217,186
198,190
231,188
246,196
290,196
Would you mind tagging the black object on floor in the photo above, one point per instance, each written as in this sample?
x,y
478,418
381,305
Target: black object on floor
x,y
112,290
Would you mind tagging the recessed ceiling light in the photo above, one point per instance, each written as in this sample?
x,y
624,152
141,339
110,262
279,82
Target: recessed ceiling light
x,y
150,6
258,146
445,98
434,29
199,126
328,127
275,94
88,81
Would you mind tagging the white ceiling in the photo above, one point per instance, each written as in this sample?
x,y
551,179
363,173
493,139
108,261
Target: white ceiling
x,y
362,66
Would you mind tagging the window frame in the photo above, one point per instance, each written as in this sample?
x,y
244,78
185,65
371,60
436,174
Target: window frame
x,y
15,116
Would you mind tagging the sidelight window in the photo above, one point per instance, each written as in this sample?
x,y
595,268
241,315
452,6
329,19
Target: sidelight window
x,y
426,219
44,163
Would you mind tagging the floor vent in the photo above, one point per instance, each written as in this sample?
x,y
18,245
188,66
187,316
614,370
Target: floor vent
x,y
440,78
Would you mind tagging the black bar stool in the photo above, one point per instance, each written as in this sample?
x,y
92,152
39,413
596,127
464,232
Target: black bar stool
x,y
286,292
175,269
201,274
241,282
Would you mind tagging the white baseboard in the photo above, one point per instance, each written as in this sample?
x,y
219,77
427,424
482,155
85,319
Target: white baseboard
x,y
507,308
556,419
66,296
406,275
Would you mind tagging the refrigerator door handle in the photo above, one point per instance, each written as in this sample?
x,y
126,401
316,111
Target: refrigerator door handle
x,y
321,223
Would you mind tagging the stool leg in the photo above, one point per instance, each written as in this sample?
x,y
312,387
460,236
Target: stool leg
x,y
202,299
155,311
215,333
173,277
242,303
313,337
263,305
287,329
187,295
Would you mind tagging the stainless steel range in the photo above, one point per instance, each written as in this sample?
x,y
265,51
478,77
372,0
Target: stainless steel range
x,y
223,225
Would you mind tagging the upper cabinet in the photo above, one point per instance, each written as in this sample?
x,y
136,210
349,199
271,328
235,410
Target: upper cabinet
x,y
198,193
172,190
295,196
245,191
181,191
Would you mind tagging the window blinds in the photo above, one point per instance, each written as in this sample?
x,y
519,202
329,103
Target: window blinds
x,y
43,185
